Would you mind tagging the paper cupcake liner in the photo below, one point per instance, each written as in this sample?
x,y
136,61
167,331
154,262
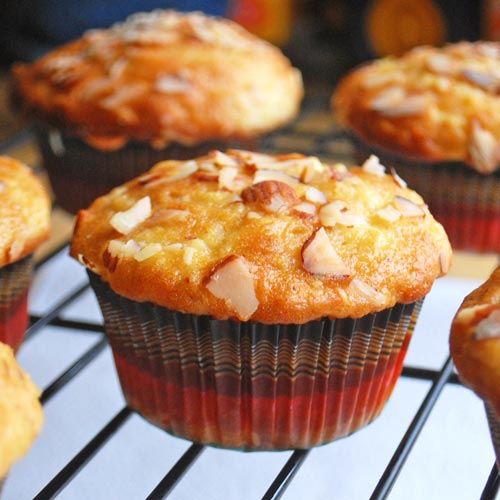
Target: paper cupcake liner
x,y
79,173
254,386
494,423
464,201
15,279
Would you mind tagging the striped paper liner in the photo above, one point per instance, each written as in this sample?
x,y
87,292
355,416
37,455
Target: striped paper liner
x,y
494,423
464,201
253,386
15,279
79,173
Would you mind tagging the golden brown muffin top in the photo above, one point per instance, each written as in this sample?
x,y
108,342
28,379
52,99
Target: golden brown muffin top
x,y
162,76
21,416
436,104
24,211
475,341
274,239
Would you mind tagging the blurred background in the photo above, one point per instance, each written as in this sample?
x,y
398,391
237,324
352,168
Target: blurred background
x,y
322,37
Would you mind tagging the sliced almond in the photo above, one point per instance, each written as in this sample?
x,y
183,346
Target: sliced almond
x,y
320,258
483,149
175,170
488,328
395,102
366,291
222,160
387,98
250,158
487,80
337,212
441,64
399,181
189,252
389,214
373,166
271,196
232,282
118,249
444,261
3,186
314,195
228,179
308,209
408,208
172,84
148,251
274,175
126,221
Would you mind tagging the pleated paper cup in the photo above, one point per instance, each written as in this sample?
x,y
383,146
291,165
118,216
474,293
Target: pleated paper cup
x,y
80,173
494,424
253,386
464,201
15,280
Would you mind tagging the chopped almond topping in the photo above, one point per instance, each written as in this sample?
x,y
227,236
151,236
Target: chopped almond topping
x,y
441,64
399,181
444,261
314,195
148,251
189,252
232,282
394,102
270,196
118,249
228,179
389,214
320,258
487,80
174,170
222,160
126,221
408,208
274,175
489,328
337,212
373,166
368,292
172,84
483,149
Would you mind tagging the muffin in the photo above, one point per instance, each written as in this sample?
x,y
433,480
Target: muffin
x,y
159,85
256,301
24,225
475,347
21,416
434,114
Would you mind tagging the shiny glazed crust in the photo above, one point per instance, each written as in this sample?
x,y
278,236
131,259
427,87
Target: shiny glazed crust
x,y
283,239
160,77
433,104
476,357
21,414
24,211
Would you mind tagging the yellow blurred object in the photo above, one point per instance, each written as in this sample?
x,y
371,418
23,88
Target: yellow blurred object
x,y
395,26
268,19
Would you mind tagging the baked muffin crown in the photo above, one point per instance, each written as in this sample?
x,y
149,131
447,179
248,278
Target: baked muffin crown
x,y
21,414
274,239
24,211
159,77
475,341
434,104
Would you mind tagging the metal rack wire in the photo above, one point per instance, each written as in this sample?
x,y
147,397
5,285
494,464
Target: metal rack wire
x,y
310,142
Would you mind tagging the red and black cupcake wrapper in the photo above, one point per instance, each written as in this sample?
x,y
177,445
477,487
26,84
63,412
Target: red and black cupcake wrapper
x,y
494,424
15,280
79,173
464,201
254,386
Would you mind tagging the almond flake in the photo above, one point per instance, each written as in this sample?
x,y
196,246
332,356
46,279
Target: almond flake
x,y
366,291
172,84
320,258
373,166
408,208
314,195
250,158
126,221
174,170
227,179
253,215
399,181
189,252
487,80
337,212
3,186
483,149
387,98
274,175
441,64
306,208
222,160
232,282
148,251
395,102
444,261
488,328
389,214
119,249
174,246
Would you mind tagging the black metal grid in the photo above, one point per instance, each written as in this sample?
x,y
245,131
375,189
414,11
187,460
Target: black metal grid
x,y
323,141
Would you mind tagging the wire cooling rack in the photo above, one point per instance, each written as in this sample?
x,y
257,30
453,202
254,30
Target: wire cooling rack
x,y
56,310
